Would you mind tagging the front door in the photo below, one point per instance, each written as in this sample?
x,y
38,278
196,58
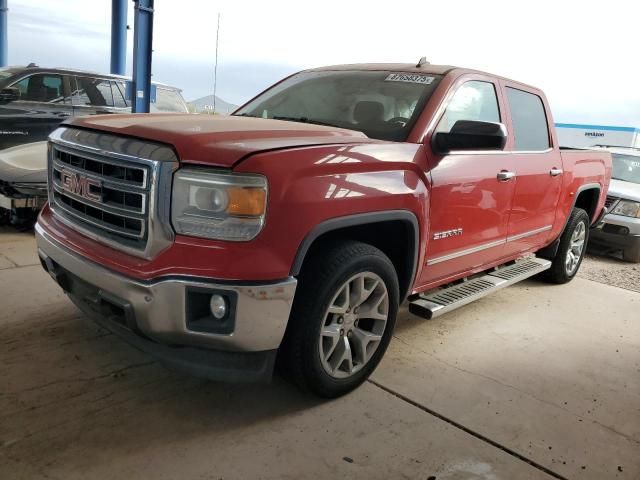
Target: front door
x,y
42,103
471,192
538,170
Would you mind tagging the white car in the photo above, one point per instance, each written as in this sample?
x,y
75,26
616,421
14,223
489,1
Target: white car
x,y
23,181
621,227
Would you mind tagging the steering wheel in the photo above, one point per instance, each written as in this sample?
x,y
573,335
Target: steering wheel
x,y
400,120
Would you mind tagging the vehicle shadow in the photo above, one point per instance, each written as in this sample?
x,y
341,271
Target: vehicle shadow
x,y
67,385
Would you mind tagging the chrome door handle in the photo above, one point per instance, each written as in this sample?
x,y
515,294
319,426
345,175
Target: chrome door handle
x,y
554,172
505,176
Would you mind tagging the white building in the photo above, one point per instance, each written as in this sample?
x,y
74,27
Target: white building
x,y
583,136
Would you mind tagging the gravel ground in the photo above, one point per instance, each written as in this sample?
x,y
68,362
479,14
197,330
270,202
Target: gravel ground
x,y
610,270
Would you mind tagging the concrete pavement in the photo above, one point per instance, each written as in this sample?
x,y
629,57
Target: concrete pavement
x,y
535,381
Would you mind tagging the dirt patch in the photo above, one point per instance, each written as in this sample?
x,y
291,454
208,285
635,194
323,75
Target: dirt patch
x,y
611,271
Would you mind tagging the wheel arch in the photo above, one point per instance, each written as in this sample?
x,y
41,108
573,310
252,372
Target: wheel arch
x,y
372,228
587,197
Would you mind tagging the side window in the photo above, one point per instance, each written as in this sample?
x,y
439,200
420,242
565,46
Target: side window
x,y
104,87
474,100
118,90
93,91
41,87
530,127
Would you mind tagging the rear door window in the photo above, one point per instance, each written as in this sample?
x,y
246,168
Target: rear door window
x,y
118,89
93,91
41,87
168,101
530,128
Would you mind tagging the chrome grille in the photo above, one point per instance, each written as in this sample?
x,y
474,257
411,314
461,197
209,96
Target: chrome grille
x,y
123,190
99,185
610,202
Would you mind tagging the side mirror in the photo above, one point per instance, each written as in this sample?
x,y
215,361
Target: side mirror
x,y
471,135
9,94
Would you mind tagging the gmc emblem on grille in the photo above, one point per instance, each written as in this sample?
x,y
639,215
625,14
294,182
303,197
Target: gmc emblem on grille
x,y
80,185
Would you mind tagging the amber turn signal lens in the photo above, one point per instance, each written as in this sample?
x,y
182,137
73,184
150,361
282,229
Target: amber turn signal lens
x,y
246,201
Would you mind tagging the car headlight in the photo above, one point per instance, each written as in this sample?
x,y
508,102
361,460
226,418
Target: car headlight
x,y
627,208
220,206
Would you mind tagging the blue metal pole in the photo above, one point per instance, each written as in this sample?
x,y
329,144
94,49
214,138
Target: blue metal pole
x,y
3,33
142,51
118,36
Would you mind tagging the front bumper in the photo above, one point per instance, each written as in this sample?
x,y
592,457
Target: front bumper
x,y
616,232
157,316
9,203
613,241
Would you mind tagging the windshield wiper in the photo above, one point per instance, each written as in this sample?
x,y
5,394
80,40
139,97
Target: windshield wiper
x,y
305,120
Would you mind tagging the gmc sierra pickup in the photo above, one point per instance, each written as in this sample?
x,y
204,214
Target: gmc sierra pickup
x,y
294,228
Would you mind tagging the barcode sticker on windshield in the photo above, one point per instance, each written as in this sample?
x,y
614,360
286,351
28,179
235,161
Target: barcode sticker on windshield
x,y
410,78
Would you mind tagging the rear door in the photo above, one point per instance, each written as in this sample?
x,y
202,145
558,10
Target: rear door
x,y
41,105
92,96
470,205
538,168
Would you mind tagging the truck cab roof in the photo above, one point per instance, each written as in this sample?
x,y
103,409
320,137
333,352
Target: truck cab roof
x,y
415,68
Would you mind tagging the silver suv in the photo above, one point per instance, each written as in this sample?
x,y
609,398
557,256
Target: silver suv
x,y
621,227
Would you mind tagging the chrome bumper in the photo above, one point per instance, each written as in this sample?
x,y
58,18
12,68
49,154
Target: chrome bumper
x,y
158,309
9,203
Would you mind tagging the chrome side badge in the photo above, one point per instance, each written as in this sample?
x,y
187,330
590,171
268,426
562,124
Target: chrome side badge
x,y
447,233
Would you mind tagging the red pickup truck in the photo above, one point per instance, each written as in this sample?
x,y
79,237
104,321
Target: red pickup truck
x,y
294,228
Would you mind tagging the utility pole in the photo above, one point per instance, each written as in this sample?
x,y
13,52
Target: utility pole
x,y
215,68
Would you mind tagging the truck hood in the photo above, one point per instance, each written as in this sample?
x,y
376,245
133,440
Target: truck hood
x,y
219,140
24,163
625,190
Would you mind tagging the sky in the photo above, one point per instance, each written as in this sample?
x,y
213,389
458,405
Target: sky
x,y
583,54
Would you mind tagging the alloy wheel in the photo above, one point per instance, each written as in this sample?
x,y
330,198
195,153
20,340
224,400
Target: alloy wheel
x,y
353,325
576,247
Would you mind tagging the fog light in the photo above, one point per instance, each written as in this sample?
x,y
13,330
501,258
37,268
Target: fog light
x,y
218,306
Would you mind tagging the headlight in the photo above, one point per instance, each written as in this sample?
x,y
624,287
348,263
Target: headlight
x,y
221,206
627,208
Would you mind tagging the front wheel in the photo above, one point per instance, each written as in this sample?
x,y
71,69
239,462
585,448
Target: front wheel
x,y
573,245
342,319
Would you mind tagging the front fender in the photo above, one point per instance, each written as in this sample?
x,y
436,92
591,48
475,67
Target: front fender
x,y
315,190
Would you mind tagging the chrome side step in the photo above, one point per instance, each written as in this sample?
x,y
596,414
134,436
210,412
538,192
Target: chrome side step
x,y
434,304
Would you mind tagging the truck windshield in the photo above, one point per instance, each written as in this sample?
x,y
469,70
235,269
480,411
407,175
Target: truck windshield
x,y
626,168
381,104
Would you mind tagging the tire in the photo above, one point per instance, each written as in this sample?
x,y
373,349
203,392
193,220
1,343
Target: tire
x,y
315,341
5,216
560,271
632,254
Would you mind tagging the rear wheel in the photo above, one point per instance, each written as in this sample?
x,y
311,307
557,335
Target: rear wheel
x,y
342,319
573,243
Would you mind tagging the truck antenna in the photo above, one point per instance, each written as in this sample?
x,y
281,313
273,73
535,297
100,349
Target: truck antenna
x,y
422,61
215,68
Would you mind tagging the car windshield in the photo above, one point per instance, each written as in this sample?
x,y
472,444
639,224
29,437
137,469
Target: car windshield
x,y
381,104
626,168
